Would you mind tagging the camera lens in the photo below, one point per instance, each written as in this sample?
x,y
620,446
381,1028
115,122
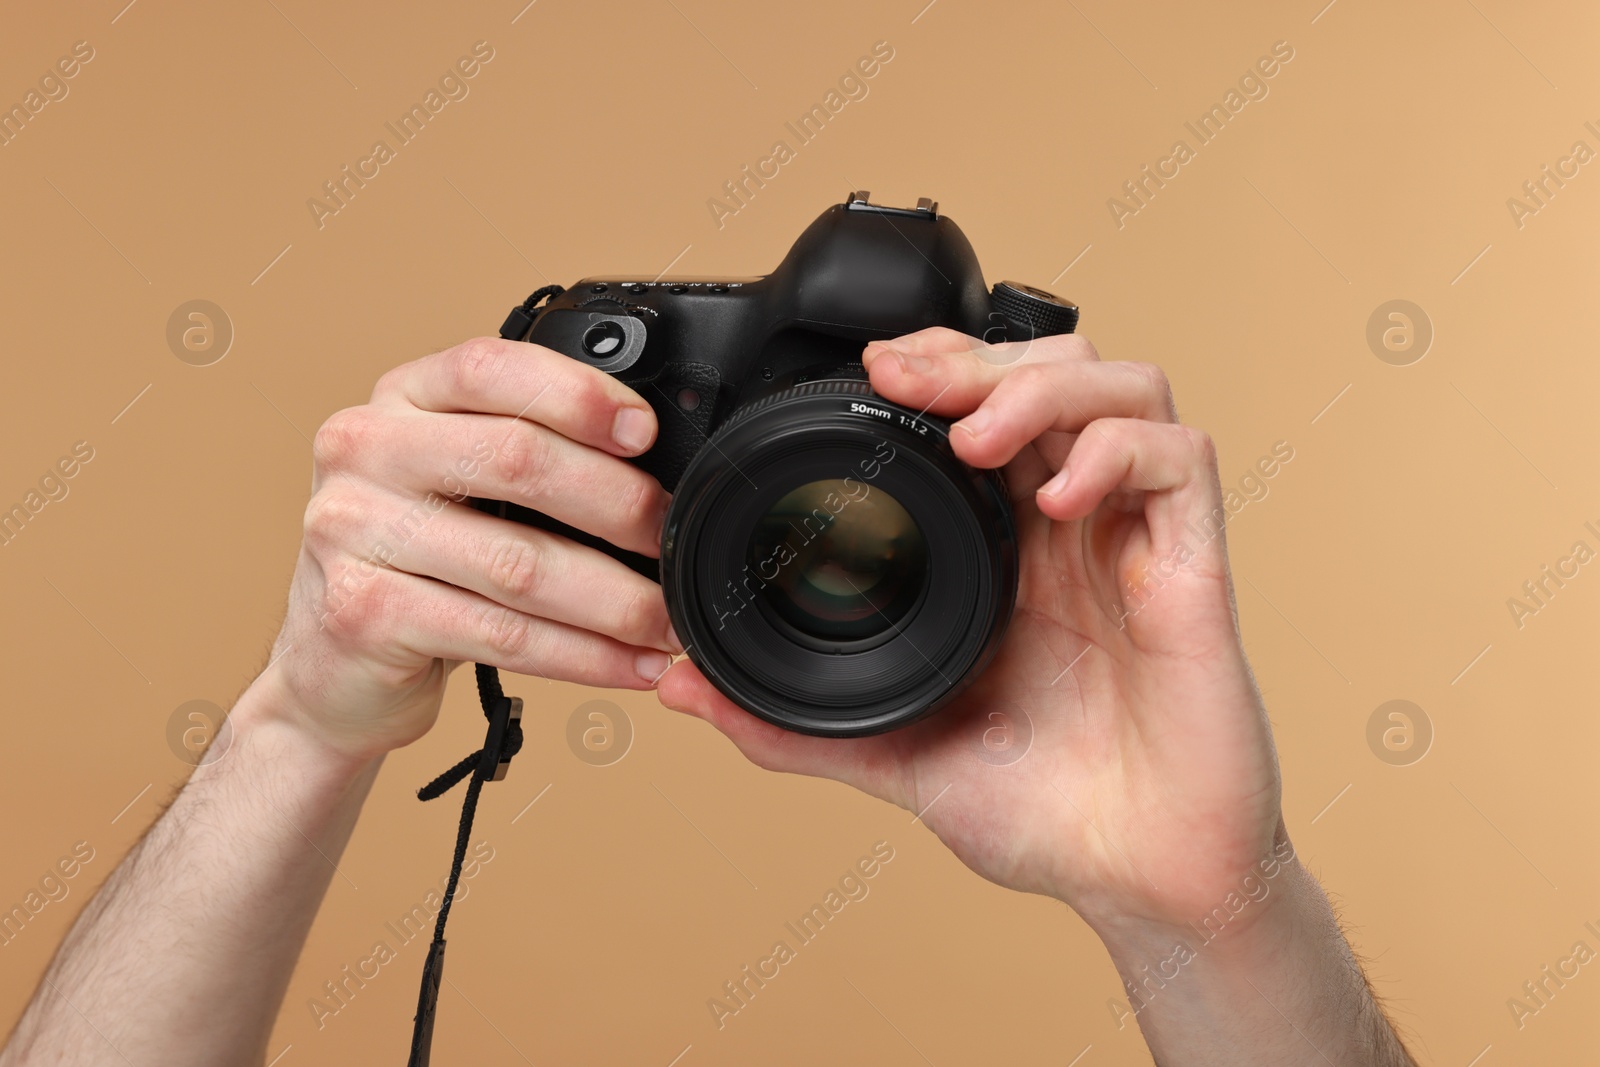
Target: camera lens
x,y
845,574
830,564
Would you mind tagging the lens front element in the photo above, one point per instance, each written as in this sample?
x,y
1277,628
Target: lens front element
x,y
848,561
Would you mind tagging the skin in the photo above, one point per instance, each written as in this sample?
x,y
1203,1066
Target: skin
x,y
1149,798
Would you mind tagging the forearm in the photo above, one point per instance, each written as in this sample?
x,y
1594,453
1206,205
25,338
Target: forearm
x,y
184,955
1277,987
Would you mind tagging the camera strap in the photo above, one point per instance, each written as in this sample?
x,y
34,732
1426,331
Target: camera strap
x,y
502,741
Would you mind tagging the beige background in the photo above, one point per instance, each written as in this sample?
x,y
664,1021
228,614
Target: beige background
x,y
1378,567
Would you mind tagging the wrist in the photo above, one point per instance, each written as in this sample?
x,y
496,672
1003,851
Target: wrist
x,y
1237,914
1276,983
1248,932
271,723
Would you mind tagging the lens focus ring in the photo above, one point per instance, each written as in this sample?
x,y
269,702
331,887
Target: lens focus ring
x,y
832,566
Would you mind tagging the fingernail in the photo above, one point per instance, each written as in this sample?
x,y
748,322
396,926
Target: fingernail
x,y
976,424
1055,486
631,430
672,640
910,363
652,665
874,350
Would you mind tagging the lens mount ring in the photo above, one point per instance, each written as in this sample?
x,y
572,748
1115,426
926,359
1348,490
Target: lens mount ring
x,y
837,432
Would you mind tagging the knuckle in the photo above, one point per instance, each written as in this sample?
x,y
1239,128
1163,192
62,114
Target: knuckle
x,y
1101,435
589,394
637,495
1152,377
387,384
1200,445
475,363
941,342
944,337
1029,378
639,617
343,438
392,382
517,569
332,517
526,455
355,604
641,502
585,412
934,335
507,633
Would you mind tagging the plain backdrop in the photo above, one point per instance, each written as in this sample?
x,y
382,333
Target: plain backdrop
x,y
1378,565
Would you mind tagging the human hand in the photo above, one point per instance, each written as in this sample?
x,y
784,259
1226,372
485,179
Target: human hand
x,y
1151,786
398,580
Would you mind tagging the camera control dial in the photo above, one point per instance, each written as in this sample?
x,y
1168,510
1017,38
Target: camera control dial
x,y
1031,312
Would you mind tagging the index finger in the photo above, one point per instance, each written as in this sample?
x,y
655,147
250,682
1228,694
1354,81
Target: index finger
x,y
951,375
943,341
493,376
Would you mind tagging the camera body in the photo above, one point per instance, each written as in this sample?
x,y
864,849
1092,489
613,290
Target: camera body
x,y
753,381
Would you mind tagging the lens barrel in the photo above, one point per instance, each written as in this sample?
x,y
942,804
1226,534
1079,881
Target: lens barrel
x,y
830,564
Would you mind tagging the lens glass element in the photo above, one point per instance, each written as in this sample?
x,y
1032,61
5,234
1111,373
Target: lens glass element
x,y
840,560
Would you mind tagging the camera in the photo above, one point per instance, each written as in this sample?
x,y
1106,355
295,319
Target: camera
x,y
828,562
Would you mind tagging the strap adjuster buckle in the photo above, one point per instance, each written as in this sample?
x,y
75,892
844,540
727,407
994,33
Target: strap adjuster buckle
x,y
497,749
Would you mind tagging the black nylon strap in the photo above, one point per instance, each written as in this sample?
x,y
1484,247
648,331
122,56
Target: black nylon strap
x,y
502,741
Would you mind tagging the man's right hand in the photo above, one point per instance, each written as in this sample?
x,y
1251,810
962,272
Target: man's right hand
x,y
398,581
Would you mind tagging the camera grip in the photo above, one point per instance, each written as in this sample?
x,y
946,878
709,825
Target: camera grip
x,y
684,423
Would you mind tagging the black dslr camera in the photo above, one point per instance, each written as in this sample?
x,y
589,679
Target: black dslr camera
x,y
829,563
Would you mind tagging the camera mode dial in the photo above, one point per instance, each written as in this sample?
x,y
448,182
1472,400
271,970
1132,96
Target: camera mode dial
x,y
1031,312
